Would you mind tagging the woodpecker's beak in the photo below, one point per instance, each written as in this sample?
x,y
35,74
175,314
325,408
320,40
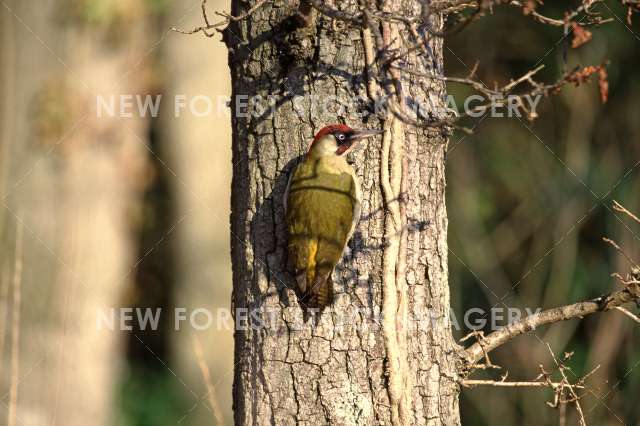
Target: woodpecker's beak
x,y
364,133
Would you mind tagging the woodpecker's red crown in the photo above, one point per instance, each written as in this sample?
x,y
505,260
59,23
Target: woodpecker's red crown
x,y
344,135
331,129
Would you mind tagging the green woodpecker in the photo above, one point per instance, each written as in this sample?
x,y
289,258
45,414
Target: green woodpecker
x,y
322,205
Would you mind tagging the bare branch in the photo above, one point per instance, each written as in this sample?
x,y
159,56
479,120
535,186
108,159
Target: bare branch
x,y
550,316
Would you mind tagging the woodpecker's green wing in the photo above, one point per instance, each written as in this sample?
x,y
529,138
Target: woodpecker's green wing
x,y
321,210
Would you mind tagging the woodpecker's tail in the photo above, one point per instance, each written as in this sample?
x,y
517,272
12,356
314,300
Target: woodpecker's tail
x,y
312,272
320,294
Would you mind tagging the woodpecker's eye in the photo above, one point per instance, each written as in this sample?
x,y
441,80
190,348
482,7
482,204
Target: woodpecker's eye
x,y
341,137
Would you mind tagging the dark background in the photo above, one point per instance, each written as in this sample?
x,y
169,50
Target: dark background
x,y
529,203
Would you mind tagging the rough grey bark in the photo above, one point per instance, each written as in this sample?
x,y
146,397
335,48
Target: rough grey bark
x,y
333,370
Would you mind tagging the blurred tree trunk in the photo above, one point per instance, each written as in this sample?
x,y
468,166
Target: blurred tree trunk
x,y
199,151
337,371
73,185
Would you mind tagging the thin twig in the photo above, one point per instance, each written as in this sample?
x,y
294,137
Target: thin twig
x,y
4,311
629,314
620,208
506,384
221,25
622,252
566,384
206,376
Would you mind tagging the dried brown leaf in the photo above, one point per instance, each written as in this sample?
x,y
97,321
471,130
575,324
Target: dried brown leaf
x,y
580,36
530,6
582,75
603,84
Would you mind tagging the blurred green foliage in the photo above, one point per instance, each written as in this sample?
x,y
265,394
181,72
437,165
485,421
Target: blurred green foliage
x,y
109,12
151,397
113,20
529,203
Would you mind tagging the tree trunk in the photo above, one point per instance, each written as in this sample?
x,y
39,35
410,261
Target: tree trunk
x,y
203,267
349,364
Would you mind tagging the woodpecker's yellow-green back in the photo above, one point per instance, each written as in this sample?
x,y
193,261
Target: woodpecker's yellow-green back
x,y
322,208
